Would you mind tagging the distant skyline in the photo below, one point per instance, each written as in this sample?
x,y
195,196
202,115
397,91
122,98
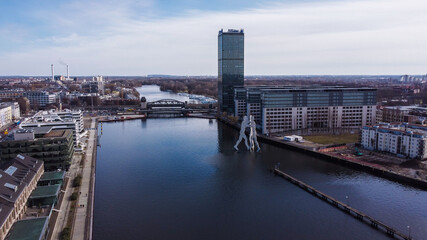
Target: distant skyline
x,y
134,38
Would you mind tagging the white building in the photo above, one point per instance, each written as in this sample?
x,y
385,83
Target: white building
x,y
100,81
5,115
66,119
16,111
283,108
68,114
404,140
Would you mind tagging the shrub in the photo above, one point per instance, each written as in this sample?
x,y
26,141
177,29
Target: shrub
x,y
74,196
77,182
66,233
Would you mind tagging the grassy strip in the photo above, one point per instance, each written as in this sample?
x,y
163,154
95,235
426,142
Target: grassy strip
x,y
66,232
333,139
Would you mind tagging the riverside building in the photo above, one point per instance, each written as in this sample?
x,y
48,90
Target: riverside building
x,y
61,120
404,140
230,67
54,147
280,109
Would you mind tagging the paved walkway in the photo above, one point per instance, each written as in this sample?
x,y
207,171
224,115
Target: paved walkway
x,y
82,220
61,221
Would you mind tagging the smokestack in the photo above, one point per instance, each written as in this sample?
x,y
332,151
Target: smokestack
x,y
68,72
53,76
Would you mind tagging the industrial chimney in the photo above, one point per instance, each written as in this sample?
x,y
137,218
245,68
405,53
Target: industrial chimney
x,y
68,72
53,76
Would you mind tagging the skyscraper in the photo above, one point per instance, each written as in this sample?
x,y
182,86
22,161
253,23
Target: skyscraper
x,y
230,67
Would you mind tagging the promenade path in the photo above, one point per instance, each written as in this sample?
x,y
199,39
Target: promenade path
x,y
82,220
61,221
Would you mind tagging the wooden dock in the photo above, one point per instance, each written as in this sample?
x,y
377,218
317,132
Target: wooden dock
x,y
391,232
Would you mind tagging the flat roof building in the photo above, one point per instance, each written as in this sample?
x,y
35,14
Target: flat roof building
x,y
52,178
284,108
62,120
29,229
44,195
54,147
403,139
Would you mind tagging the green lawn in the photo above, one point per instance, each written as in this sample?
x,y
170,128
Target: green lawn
x,y
333,139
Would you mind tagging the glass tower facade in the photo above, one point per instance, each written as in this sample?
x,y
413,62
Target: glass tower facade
x,y
230,67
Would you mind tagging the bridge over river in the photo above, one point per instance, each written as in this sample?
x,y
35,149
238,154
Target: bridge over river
x,y
174,108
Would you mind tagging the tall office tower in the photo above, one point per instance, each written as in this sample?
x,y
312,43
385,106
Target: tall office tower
x,y
230,67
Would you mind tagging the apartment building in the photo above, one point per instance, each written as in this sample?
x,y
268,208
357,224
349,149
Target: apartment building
x,y
5,114
16,111
404,140
40,98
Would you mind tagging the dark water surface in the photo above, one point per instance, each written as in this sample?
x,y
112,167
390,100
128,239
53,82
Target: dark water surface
x,y
180,179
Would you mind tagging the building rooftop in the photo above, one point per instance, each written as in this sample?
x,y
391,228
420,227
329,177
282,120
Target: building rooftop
x,y
45,191
403,128
408,108
231,31
29,229
303,88
13,180
39,130
56,133
54,175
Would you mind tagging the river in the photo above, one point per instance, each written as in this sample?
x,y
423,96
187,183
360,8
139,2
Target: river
x,y
181,179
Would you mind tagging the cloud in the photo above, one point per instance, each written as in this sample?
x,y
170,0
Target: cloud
x,y
350,37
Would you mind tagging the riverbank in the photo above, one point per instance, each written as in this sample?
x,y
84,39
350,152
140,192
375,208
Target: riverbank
x,y
120,118
374,169
84,213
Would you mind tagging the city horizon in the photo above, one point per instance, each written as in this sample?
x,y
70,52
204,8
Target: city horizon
x,y
282,37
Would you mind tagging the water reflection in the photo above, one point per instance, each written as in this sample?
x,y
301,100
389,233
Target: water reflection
x,y
182,179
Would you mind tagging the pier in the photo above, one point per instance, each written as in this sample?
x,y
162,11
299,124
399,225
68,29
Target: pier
x,y
344,207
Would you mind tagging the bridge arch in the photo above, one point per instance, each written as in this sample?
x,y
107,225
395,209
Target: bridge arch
x,y
166,103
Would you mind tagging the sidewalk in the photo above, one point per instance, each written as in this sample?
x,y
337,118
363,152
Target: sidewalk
x,y
82,218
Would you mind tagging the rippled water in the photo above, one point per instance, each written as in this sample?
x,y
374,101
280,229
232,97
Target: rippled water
x,y
180,179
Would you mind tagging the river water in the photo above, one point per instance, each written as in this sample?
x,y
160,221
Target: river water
x,y
181,179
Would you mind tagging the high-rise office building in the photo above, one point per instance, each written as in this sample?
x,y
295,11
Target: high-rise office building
x,y
230,67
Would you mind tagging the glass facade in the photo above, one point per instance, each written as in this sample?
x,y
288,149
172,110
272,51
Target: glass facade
x,y
318,97
230,67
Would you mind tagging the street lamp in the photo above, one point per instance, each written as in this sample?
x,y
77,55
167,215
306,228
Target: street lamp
x,y
346,197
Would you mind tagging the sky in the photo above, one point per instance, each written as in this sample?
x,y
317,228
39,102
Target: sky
x,y
287,37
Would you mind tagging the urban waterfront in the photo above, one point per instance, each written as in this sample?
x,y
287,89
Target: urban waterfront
x,y
181,179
